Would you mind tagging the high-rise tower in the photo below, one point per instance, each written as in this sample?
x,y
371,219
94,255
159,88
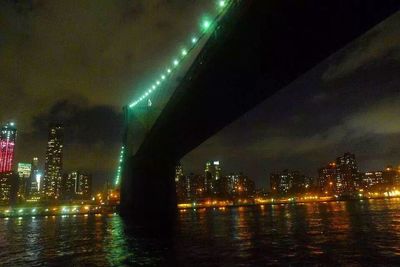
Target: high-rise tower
x,y
53,164
212,176
35,183
8,136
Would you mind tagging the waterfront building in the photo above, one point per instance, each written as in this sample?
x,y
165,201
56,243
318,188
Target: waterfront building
x,y
8,187
340,177
349,178
397,180
181,184
8,137
54,163
24,174
308,182
195,186
329,179
77,185
239,185
372,178
35,181
288,181
212,174
390,175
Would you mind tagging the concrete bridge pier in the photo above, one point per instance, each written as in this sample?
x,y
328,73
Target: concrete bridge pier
x,y
148,196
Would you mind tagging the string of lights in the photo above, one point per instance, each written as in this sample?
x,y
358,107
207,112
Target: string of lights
x,y
206,25
120,161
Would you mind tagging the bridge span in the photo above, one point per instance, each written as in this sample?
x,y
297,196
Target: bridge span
x,y
257,48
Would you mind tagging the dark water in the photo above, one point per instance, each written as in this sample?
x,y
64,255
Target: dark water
x,y
360,233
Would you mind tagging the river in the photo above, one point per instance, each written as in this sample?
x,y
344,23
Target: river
x,y
354,233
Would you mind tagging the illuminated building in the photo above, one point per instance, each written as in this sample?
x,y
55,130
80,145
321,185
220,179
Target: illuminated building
x,y
69,185
8,136
24,174
77,185
373,178
35,179
308,182
397,180
53,164
239,185
289,181
340,177
390,175
195,186
84,188
182,185
212,175
8,187
349,176
328,178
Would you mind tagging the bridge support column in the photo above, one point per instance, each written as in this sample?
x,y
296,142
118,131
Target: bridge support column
x,y
148,194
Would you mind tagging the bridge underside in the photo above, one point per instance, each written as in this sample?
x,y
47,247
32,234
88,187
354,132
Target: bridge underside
x,y
258,48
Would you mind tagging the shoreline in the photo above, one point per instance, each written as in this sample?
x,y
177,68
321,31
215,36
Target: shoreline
x,y
282,202
61,211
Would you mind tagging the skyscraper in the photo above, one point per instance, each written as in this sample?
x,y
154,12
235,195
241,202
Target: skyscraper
x,y
35,182
350,178
239,185
84,188
288,181
77,185
24,174
8,187
8,136
212,175
329,180
194,186
53,164
180,183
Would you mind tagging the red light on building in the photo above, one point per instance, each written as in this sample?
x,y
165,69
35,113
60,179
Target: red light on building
x,y
8,136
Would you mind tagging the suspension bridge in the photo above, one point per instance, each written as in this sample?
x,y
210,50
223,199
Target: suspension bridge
x,y
244,53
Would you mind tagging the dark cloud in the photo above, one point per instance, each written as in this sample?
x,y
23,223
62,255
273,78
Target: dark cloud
x,y
92,136
83,124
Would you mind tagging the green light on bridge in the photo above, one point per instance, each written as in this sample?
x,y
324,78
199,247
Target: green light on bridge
x,y
205,26
119,169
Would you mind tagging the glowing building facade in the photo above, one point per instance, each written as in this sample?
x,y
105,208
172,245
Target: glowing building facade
x,y
35,179
8,188
211,177
54,163
77,185
24,174
8,136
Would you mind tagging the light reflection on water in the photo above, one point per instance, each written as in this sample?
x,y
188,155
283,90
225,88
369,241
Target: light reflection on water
x,y
334,233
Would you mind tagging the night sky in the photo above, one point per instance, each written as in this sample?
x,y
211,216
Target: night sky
x,y
81,61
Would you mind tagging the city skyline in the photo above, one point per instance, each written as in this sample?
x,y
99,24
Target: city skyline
x,y
199,133
56,137
23,182
366,69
